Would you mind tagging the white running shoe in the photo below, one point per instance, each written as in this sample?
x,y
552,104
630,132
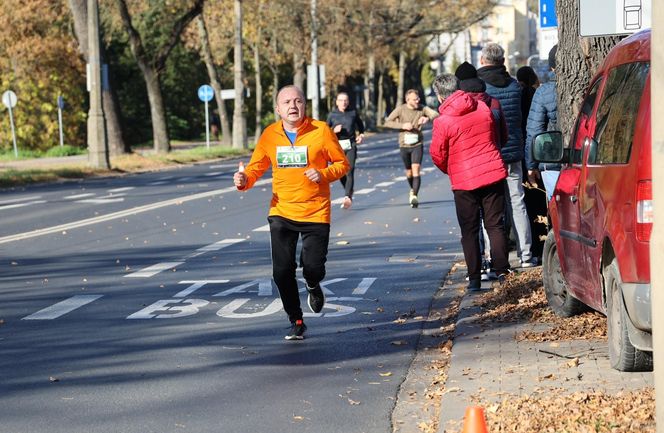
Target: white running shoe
x,y
347,203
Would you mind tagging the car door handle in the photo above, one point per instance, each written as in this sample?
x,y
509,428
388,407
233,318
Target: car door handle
x,y
573,198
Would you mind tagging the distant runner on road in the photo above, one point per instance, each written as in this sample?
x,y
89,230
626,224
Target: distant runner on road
x,y
346,124
409,118
305,157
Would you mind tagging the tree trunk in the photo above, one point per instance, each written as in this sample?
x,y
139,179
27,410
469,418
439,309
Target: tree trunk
x,y
215,82
299,74
239,122
259,89
402,75
380,115
116,143
152,66
370,93
157,111
576,62
275,89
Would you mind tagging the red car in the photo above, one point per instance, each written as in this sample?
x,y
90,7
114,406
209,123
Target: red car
x,y
597,252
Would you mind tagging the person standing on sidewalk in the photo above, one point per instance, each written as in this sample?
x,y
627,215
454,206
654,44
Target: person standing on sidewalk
x,y
543,116
465,145
500,85
409,118
346,123
305,158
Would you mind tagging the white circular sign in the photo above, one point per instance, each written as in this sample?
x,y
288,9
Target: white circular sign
x,y
9,99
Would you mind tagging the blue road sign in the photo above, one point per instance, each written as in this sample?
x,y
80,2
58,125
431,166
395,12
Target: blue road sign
x,y
61,102
205,93
548,16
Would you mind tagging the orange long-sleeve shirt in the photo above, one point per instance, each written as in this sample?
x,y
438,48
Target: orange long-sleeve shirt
x,y
294,196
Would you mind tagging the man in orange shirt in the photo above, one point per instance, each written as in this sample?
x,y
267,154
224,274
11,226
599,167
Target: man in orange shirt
x,y
305,157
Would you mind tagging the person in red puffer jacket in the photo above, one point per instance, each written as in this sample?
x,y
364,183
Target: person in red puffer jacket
x,y
465,145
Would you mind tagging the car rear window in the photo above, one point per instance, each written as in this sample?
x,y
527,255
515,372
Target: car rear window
x,y
617,112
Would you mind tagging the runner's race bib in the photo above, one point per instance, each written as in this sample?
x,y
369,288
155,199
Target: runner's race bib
x,y
410,138
345,144
292,156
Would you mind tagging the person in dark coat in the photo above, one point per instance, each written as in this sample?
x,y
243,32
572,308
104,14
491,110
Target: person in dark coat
x,y
346,124
500,85
543,116
534,195
464,145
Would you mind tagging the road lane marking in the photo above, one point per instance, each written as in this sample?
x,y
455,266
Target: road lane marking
x,y
123,189
264,288
122,214
190,307
265,228
365,191
77,196
18,200
102,200
153,270
63,307
17,205
384,184
158,182
364,285
195,285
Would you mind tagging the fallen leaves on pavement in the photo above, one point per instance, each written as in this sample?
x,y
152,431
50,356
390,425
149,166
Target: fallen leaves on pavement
x,y
580,412
522,299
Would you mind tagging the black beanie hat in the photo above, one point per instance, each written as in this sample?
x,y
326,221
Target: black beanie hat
x,y
552,56
465,71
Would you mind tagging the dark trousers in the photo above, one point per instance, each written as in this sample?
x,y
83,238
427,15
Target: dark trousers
x,y
490,200
348,181
284,235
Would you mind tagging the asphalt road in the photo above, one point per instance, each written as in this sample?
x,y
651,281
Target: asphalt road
x,y
144,303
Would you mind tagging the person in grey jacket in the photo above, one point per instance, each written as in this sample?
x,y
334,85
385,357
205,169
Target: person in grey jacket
x,y
543,116
502,86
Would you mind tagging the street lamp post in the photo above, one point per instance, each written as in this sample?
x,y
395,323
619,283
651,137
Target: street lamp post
x,y
97,142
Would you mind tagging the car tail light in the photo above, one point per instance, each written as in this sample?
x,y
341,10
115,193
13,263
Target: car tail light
x,y
644,214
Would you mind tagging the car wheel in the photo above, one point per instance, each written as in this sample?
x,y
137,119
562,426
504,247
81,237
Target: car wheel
x,y
622,355
555,286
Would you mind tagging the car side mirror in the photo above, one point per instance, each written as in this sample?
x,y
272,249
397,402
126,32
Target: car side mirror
x,y
592,150
548,147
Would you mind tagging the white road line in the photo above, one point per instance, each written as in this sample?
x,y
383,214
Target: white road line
x,y
160,267
337,200
122,214
265,228
214,173
219,245
18,200
364,285
384,184
123,189
63,307
101,200
365,191
195,285
380,155
158,182
16,205
75,196
153,270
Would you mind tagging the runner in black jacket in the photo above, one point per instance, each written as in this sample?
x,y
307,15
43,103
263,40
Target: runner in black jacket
x,y
346,123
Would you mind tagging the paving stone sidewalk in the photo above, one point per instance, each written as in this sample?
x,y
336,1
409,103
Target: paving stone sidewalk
x,y
488,362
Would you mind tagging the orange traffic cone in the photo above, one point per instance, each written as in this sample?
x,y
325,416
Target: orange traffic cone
x,y
474,421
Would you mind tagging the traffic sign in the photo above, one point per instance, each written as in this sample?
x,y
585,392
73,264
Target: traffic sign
x,y
205,93
614,17
548,16
61,102
9,99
